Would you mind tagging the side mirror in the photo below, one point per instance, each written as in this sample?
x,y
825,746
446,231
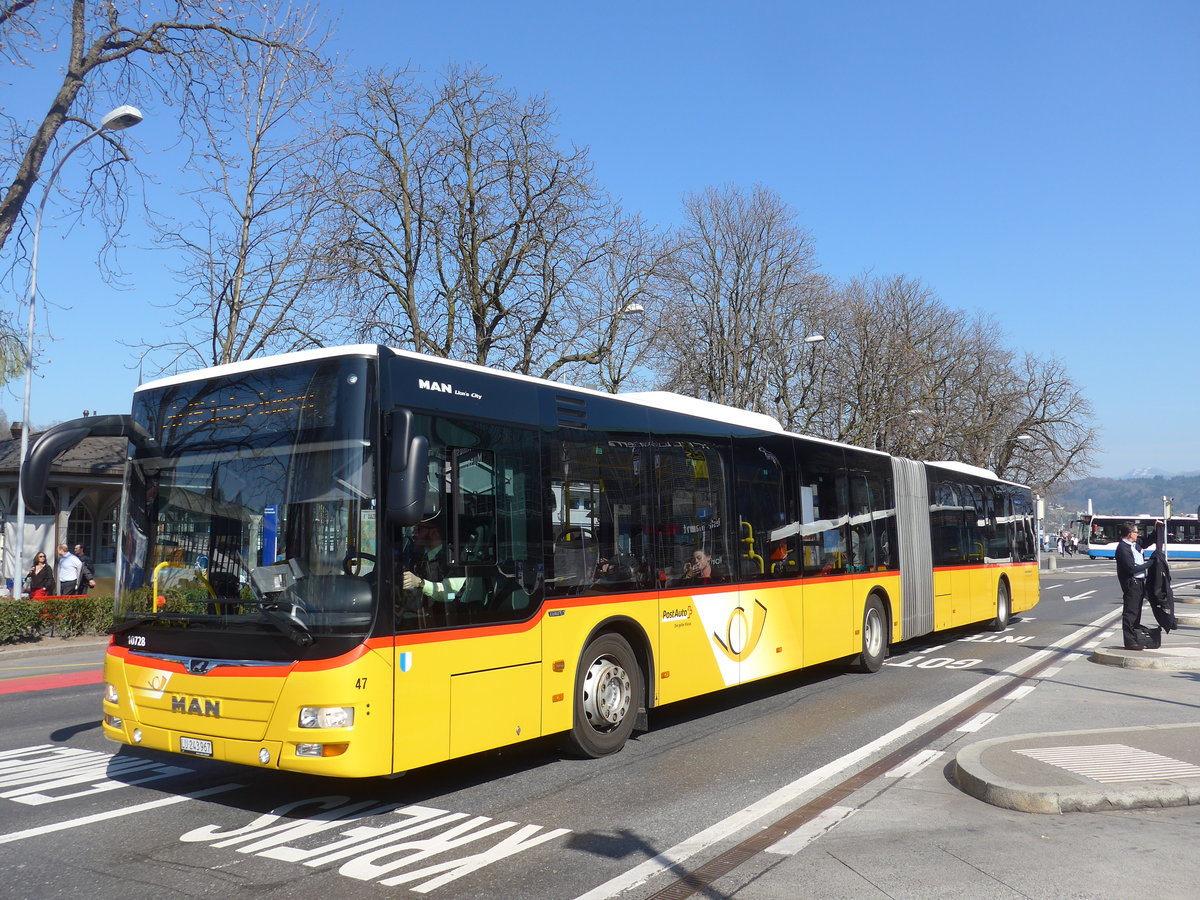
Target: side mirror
x,y
407,466
54,442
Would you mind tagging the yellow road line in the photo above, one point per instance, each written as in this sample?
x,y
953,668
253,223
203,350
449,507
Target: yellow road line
x,y
88,665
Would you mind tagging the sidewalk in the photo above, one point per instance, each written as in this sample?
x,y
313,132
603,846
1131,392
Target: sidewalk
x,y
1135,765
1103,730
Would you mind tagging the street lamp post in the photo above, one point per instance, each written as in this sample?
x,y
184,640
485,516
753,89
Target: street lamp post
x,y
117,120
1019,438
912,413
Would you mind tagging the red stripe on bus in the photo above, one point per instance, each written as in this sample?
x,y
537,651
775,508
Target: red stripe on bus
x,y
50,682
973,567
405,639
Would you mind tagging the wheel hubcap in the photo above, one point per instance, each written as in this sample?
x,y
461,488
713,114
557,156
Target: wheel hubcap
x,y
873,633
606,693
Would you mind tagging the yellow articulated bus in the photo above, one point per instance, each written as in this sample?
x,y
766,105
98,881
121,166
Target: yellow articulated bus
x,y
360,561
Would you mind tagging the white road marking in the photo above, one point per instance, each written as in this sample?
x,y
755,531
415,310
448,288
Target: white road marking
x,y
114,813
810,831
1018,692
976,723
1082,596
1109,763
789,793
913,764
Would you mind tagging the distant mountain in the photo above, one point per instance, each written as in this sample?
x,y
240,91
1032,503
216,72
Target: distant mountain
x,y
1147,472
1129,496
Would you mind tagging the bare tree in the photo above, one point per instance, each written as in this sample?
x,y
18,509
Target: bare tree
x,y
606,331
254,265
12,352
892,348
743,285
903,372
1050,433
466,229
183,52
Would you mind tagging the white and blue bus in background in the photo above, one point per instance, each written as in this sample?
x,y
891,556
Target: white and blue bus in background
x,y
1100,534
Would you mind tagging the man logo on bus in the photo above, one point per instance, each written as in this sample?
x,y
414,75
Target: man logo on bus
x,y
741,636
195,706
442,387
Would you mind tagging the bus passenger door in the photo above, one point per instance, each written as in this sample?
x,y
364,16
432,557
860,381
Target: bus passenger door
x,y
949,538
703,630
828,623
466,593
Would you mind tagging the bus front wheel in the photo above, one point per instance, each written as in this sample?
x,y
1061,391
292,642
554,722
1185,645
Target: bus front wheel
x,y
874,637
608,685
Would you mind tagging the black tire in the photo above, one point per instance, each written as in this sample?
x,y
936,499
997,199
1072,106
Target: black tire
x,y
1003,608
608,691
874,637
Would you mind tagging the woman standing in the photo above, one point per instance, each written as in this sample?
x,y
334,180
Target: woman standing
x,y
41,577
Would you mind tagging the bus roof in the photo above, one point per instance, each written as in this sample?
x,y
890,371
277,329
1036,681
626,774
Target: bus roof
x,y
658,399
973,471
260,362
1134,517
704,409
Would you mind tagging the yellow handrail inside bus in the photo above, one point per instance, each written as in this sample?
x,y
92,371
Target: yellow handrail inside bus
x,y
167,564
748,552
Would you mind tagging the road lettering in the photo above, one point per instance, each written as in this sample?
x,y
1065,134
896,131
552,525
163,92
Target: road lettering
x,y
50,774
373,852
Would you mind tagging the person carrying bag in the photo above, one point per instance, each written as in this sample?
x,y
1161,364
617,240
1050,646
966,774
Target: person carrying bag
x,y
39,580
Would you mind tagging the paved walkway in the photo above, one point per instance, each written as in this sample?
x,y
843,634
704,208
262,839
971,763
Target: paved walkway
x,y
1107,730
1100,768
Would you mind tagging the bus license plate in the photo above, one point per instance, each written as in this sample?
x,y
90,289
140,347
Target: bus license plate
x,y
195,746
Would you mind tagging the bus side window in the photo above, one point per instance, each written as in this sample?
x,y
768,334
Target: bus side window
x,y
767,519
947,525
596,514
692,521
824,510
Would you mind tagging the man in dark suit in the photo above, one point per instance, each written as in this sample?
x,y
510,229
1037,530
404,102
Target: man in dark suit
x,y
1131,573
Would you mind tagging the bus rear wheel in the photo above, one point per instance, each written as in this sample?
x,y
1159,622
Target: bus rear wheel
x,y
608,685
874,637
1003,608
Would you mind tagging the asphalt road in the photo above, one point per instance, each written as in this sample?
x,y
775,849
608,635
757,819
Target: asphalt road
x,y
81,816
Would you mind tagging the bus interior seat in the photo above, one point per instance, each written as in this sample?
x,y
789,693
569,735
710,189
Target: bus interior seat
x,y
575,558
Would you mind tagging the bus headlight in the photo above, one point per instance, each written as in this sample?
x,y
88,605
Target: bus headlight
x,y
326,716
110,693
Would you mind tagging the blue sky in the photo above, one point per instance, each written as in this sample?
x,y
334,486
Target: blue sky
x,y
1032,160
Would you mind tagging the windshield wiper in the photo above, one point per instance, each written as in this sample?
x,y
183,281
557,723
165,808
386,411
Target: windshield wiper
x,y
283,617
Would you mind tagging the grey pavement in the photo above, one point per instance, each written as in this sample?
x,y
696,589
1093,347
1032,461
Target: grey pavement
x,y
1089,777
1125,767
1086,784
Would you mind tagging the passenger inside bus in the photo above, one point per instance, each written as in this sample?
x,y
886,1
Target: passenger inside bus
x,y
701,569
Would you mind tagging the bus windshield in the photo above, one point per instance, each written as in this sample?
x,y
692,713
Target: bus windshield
x,y
257,516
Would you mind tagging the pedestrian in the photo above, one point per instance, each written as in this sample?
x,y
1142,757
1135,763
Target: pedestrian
x,y
70,568
87,575
40,578
1131,573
